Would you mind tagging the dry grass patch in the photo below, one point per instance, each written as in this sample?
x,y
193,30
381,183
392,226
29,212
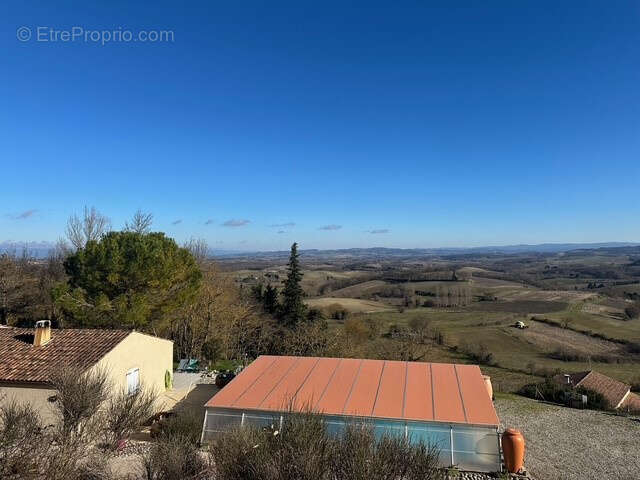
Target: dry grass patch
x,y
352,305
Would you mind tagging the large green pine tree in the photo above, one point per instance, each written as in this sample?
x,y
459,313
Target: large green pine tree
x,y
127,280
293,309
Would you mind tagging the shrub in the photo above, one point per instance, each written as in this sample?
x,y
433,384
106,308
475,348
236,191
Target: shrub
x,y
595,400
65,450
552,391
174,458
28,450
633,348
20,440
566,355
632,311
360,455
185,425
336,311
79,396
303,450
549,391
419,326
124,412
479,354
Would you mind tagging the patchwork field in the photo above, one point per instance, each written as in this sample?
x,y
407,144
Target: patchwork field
x,y
520,306
574,304
549,338
352,305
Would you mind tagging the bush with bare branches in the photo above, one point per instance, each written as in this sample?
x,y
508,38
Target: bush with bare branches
x,y
20,440
173,458
78,398
303,449
124,412
69,449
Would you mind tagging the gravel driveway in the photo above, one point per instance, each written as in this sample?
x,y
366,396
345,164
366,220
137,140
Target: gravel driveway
x,y
564,443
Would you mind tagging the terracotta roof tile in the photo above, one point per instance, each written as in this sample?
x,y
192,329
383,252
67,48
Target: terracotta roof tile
x,y
612,390
20,361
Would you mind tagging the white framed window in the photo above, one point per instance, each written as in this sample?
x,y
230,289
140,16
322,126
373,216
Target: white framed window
x,y
133,380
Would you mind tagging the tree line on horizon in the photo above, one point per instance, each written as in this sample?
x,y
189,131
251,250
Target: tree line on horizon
x,y
135,278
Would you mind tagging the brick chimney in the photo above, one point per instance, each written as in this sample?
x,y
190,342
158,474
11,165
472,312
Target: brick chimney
x,y
43,333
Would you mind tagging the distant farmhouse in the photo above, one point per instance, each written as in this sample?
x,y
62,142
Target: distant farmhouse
x,y
617,394
29,357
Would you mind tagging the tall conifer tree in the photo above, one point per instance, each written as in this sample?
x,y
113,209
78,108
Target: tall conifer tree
x,y
293,307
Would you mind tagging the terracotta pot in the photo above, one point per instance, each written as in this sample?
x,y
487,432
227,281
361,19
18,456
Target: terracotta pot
x,y
488,386
513,450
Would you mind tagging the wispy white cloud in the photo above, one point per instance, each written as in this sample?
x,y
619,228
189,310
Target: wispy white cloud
x,y
379,230
24,215
236,223
176,222
331,227
281,231
209,222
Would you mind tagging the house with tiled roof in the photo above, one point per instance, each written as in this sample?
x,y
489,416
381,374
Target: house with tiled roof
x,y
617,394
29,358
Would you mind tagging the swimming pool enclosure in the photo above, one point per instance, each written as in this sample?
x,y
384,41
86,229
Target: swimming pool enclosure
x,y
465,446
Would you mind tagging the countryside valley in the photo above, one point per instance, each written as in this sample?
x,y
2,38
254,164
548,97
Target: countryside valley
x,y
579,307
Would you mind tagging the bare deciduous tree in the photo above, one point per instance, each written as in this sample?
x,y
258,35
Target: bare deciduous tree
x,y
199,248
140,223
92,226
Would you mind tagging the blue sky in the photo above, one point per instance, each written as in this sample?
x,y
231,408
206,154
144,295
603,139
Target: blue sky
x,y
406,124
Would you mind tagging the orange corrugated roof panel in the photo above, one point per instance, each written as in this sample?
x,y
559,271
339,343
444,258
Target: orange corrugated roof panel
x,y
367,388
418,398
471,382
339,387
265,383
312,389
447,399
284,393
390,397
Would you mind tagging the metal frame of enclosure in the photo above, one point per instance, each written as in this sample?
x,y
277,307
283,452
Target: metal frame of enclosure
x,y
444,405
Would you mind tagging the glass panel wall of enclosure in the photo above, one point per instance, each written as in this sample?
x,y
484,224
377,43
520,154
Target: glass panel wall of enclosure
x,y
468,447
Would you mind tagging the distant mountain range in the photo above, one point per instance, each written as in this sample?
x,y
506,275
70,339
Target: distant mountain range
x,y
34,249
41,250
411,252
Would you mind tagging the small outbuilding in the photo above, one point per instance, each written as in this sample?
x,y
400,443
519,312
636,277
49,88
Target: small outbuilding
x,y
29,357
618,395
445,405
